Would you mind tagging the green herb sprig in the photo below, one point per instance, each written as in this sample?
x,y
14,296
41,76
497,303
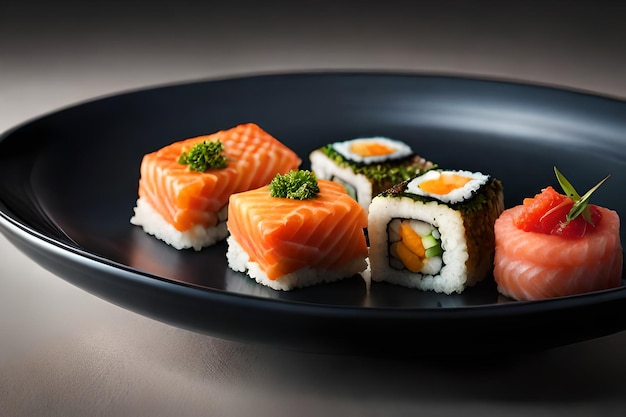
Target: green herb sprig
x,y
580,206
297,185
204,155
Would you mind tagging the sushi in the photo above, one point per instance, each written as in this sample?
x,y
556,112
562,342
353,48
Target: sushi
x,y
556,245
296,232
184,187
434,232
367,166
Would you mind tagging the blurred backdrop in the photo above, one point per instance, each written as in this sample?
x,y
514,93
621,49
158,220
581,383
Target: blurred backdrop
x,y
84,45
65,352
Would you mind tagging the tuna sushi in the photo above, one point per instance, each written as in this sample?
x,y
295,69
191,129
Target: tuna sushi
x,y
296,232
184,187
435,231
367,166
556,245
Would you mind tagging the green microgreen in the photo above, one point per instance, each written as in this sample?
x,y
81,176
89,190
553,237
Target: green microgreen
x,y
204,155
297,185
580,206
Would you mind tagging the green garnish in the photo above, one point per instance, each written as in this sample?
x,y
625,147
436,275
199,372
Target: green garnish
x,y
204,155
393,172
580,206
297,185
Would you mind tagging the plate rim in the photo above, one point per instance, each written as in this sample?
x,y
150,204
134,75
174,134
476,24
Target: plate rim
x,y
344,72
10,225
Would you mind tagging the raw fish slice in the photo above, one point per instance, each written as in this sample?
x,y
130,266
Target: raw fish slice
x,y
283,236
532,266
185,198
187,208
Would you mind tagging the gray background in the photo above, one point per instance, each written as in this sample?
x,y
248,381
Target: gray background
x,y
64,352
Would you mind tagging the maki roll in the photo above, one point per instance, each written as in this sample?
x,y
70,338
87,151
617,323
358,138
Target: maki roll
x,y
435,231
184,187
296,232
367,166
555,245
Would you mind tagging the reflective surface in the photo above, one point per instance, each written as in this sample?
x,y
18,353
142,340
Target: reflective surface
x,y
66,352
66,201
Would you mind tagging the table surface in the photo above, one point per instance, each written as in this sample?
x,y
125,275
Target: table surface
x,y
64,352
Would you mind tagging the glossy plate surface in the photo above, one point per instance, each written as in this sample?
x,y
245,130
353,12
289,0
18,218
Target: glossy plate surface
x,y
68,184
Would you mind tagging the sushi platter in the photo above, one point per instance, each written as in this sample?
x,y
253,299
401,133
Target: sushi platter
x,y
69,183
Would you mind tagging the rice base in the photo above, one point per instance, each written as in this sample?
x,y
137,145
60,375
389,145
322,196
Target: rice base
x,y
197,237
239,260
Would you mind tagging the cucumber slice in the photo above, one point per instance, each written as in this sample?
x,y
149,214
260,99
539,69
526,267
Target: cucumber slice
x,y
434,251
429,241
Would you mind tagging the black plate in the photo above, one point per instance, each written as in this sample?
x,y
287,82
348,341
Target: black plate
x,y
68,184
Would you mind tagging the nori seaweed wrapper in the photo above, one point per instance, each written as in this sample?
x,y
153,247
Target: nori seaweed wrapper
x,y
479,213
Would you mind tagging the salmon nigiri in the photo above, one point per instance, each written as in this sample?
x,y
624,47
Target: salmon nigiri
x,y
556,245
297,231
184,187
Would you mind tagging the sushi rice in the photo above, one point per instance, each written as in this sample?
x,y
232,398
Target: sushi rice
x,y
458,225
197,237
451,277
239,260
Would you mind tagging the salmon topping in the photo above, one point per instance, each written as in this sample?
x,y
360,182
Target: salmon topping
x,y
533,266
284,235
546,213
186,198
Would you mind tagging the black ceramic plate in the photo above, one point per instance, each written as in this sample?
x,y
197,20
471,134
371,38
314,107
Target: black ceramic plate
x,y
68,184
